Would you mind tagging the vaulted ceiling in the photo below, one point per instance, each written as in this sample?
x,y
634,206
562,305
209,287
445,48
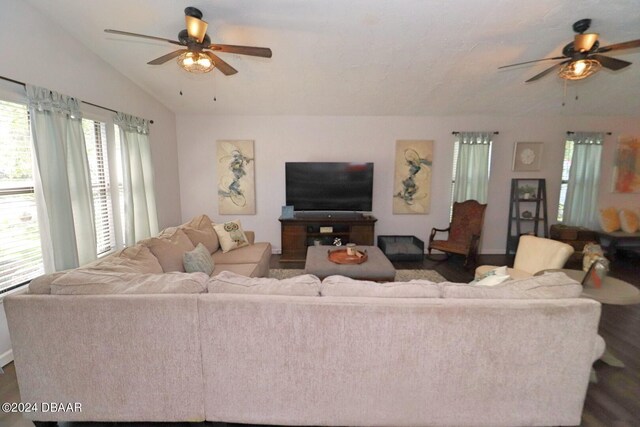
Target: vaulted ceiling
x,y
368,57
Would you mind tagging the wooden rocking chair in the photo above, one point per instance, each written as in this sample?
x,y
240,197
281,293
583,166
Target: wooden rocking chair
x,y
464,231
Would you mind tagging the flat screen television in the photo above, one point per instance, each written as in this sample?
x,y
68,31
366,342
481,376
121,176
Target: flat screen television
x,y
327,186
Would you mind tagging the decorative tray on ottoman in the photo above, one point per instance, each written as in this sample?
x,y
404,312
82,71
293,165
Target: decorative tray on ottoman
x,y
340,256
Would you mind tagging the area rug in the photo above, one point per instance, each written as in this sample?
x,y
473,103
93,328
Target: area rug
x,y
401,275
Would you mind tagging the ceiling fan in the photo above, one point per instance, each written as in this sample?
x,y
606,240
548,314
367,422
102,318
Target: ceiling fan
x,y
582,57
197,54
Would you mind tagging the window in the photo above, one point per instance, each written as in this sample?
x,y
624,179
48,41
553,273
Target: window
x,y
580,179
564,184
21,249
471,167
95,136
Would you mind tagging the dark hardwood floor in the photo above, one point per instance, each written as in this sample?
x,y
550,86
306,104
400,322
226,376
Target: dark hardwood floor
x,y
613,401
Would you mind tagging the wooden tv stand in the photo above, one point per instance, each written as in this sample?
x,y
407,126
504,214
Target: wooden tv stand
x,y
304,229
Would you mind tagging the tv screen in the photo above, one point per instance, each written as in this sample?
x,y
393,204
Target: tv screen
x,y
329,186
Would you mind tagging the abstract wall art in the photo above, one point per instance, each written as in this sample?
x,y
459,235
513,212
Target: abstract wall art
x,y
235,164
412,183
626,172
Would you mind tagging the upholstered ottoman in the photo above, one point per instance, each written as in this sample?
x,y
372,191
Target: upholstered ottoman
x,y
376,268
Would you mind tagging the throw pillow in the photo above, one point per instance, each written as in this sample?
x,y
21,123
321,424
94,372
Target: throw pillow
x,y
609,220
198,260
628,221
548,286
232,283
231,235
341,286
169,248
493,277
200,230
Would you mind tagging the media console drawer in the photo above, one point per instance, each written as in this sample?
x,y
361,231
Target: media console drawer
x,y
298,233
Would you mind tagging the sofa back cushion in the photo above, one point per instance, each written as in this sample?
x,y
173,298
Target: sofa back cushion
x,y
546,286
347,287
169,247
132,259
232,283
100,282
200,230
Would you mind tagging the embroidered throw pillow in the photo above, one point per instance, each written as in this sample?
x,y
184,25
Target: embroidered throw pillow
x,y
493,277
231,235
198,260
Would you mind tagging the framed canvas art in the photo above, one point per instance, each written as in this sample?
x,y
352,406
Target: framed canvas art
x,y
626,172
412,181
527,156
235,165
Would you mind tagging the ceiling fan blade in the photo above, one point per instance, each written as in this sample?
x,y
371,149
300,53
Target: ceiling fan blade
x,y
619,46
535,60
126,33
611,63
167,57
196,28
263,52
226,69
547,71
584,42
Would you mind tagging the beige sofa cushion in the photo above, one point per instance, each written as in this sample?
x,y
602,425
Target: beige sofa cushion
x,y
246,254
247,270
100,282
347,287
42,284
133,259
200,230
546,286
169,248
232,283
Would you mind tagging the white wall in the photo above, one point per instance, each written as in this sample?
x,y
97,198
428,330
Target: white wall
x,y
279,139
37,51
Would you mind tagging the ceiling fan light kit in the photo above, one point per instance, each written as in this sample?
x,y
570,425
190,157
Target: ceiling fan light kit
x,y
196,62
582,57
578,70
197,53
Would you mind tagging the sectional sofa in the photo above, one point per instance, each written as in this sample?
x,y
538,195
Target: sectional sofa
x,y
300,352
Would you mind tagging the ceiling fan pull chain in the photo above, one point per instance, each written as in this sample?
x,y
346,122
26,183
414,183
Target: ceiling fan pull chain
x,y
564,93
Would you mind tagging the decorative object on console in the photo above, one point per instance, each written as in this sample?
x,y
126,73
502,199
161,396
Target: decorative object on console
x,y
526,156
287,212
627,167
236,178
231,235
609,219
412,183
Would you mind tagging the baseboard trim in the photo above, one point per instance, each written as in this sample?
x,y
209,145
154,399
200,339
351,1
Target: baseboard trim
x,y
6,357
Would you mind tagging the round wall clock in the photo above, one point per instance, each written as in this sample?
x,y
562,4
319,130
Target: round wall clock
x,y
527,156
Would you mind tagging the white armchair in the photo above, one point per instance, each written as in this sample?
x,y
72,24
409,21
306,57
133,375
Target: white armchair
x,y
534,254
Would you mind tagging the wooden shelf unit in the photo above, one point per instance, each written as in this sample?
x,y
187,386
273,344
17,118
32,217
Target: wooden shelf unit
x,y
299,232
518,205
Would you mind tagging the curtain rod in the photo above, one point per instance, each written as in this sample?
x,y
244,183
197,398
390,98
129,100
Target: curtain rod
x,y
455,132
570,132
23,84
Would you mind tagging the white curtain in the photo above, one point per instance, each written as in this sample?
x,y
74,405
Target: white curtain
x,y
140,216
584,175
62,184
472,168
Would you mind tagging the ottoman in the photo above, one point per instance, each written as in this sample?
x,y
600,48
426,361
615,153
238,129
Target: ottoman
x,y
376,268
